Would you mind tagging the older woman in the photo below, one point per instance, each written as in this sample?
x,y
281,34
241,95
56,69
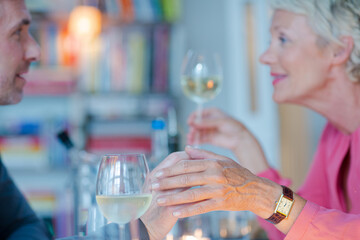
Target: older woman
x,y
314,58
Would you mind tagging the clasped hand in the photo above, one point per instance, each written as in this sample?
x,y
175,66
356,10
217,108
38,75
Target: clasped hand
x,y
213,182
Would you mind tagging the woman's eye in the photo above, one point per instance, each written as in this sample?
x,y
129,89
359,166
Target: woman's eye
x,y
283,39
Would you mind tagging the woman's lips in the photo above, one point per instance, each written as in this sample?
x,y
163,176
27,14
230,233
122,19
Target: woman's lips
x,y
277,78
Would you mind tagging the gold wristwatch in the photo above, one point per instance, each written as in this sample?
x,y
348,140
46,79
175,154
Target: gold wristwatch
x,y
283,206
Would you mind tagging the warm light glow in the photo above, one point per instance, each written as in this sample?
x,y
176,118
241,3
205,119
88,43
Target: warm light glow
x,y
198,235
85,22
210,84
188,237
169,237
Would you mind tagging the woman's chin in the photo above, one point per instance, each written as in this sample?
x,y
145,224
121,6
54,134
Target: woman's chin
x,y
278,98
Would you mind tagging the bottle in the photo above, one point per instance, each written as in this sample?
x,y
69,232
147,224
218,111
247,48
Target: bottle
x,y
173,134
159,142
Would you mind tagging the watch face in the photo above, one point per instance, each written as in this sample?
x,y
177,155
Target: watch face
x,y
284,206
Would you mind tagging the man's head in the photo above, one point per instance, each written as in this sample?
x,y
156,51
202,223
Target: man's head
x,y
17,49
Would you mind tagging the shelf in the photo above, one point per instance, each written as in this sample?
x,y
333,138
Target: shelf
x,y
129,11
117,106
59,81
45,179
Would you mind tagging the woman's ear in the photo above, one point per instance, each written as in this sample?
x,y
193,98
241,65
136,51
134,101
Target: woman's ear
x,y
342,53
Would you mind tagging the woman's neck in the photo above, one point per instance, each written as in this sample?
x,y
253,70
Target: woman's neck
x,y
339,102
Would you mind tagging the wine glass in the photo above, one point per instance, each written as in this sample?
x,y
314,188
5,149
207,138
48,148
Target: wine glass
x,y
201,78
120,188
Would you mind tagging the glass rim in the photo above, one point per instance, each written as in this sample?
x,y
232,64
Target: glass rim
x,y
124,194
123,154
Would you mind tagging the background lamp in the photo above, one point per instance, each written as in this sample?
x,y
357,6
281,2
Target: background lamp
x,y
85,22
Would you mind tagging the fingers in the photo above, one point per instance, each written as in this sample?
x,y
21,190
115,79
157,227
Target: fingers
x,y
190,173
207,123
171,160
196,153
186,173
186,180
206,136
192,195
205,114
197,209
183,167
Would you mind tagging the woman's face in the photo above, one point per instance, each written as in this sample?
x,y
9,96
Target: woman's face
x,y
299,67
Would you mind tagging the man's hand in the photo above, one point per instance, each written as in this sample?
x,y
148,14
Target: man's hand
x,y
159,220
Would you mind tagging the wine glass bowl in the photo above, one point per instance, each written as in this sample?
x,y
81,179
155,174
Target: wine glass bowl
x,y
201,78
120,189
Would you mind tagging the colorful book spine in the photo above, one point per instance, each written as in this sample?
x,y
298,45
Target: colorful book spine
x,y
103,144
127,10
157,10
171,10
160,61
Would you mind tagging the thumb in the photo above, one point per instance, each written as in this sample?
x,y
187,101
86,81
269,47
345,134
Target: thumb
x,y
196,153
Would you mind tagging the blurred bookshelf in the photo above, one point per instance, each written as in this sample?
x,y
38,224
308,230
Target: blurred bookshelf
x,y
105,98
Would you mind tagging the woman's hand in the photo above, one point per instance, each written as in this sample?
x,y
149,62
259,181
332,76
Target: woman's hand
x,y
216,182
157,215
221,130
221,184
215,128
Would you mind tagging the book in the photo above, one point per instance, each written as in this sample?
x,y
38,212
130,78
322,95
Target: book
x,y
171,10
50,81
160,61
117,144
143,11
24,152
127,10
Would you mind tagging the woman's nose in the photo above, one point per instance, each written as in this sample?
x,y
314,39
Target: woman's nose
x,y
267,57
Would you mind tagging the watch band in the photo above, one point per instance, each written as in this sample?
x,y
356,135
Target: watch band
x,y
288,193
277,217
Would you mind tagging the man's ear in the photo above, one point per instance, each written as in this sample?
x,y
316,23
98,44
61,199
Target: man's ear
x,y
342,53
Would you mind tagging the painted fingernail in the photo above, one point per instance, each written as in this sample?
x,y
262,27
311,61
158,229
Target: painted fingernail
x,y
159,174
176,214
189,146
155,185
161,200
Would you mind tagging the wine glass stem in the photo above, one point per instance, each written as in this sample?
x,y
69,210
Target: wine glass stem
x,y
198,121
122,232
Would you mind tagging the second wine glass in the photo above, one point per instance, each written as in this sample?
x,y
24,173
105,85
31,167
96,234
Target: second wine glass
x,y
201,78
121,191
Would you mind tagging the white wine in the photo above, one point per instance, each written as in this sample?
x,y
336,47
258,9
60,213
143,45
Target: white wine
x,y
201,89
123,209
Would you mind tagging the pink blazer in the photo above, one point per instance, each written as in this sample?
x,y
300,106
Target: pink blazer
x,y
324,215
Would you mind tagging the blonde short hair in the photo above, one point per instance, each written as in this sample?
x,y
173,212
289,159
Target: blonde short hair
x,y
331,19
